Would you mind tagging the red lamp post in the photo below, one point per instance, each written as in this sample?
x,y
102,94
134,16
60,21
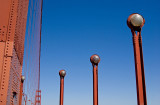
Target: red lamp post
x,y
21,89
62,74
95,59
135,22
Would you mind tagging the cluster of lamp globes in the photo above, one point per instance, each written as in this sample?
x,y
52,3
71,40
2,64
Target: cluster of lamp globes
x,y
95,59
135,21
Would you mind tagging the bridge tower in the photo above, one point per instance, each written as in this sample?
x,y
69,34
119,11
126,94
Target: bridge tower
x,y
13,24
13,16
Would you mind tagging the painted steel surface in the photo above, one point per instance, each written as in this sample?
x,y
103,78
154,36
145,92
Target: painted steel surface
x,y
139,65
10,63
62,74
37,98
61,90
13,21
95,59
95,85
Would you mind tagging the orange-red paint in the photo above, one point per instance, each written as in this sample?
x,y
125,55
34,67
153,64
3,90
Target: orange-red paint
x,y
21,93
61,87
38,97
95,59
95,85
12,33
139,65
61,90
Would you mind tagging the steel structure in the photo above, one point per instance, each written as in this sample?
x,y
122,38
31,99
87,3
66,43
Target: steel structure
x,y
135,22
62,74
20,46
20,40
95,59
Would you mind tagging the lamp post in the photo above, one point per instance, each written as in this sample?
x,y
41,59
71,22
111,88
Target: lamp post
x,y
135,22
95,59
21,89
62,74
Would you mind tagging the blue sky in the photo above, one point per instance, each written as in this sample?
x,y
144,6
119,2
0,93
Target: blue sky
x,y
73,30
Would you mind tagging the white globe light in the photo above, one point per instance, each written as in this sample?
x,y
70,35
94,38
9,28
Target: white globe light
x,y
62,73
95,59
136,20
22,78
